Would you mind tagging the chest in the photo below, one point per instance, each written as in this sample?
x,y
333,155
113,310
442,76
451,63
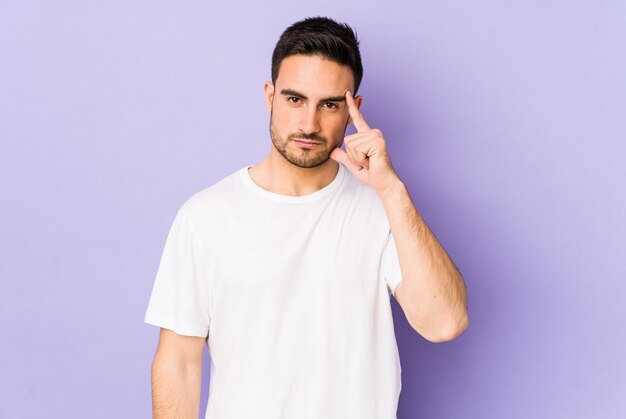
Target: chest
x,y
300,250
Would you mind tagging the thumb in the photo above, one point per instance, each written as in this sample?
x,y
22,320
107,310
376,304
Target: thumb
x,y
341,156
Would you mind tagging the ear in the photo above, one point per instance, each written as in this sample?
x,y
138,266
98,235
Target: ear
x,y
268,87
358,100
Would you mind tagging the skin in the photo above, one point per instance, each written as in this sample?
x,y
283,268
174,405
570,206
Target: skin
x,y
176,375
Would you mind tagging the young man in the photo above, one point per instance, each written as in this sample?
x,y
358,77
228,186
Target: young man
x,y
285,268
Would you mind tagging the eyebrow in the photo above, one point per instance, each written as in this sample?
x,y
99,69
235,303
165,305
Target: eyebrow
x,y
291,92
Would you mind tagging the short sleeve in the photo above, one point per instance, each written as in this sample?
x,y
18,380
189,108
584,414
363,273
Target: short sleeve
x,y
391,264
180,294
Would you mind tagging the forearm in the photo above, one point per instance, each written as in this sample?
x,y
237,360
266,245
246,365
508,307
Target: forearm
x,y
432,288
175,390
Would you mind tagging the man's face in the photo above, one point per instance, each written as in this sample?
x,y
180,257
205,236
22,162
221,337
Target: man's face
x,y
308,103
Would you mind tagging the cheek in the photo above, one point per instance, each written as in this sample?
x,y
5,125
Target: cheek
x,y
337,123
285,116
334,120
340,121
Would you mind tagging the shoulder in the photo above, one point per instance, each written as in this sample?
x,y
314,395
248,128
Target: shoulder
x,y
212,199
360,190
364,198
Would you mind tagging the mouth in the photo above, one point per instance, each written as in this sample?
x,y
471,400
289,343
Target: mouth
x,y
307,144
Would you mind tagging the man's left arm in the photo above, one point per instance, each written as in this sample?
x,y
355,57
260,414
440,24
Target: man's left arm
x,y
432,292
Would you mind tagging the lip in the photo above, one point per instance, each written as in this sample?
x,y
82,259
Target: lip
x,y
307,144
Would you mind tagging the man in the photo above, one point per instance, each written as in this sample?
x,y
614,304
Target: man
x,y
285,268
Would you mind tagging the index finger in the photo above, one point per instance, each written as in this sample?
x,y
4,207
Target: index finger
x,y
355,114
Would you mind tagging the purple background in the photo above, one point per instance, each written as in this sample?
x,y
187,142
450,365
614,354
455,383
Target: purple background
x,y
506,121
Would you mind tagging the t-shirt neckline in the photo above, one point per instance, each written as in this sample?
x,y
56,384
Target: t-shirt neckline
x,y
314,196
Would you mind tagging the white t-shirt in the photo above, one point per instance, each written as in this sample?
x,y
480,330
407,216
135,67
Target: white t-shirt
x,y
293,293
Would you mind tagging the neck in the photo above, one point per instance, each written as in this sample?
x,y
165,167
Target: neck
x,y
278,175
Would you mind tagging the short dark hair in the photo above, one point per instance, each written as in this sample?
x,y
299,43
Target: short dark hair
x,y
320,36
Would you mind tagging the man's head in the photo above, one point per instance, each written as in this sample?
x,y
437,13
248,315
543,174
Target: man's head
x,y
315,62
320,36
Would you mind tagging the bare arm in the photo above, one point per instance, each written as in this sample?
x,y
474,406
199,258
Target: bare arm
x,y
432,292
176,376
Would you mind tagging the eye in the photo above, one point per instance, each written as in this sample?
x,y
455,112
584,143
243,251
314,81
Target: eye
x,y
292,97
333,105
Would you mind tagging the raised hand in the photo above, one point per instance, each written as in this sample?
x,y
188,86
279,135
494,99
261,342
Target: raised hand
x,y
366,153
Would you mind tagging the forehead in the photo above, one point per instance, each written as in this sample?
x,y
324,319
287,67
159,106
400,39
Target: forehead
x,y
314,75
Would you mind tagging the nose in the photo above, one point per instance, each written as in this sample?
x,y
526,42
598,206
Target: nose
x,y
309,122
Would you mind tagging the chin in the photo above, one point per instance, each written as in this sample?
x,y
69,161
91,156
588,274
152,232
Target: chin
x,y
308,163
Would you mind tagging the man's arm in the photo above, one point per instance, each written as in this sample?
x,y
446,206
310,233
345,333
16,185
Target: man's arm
x,y
432,292
176,376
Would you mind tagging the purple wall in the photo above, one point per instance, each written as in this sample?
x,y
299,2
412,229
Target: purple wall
x,y
506,121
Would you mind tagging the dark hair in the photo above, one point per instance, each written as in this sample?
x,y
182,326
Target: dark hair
x,y
320,36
